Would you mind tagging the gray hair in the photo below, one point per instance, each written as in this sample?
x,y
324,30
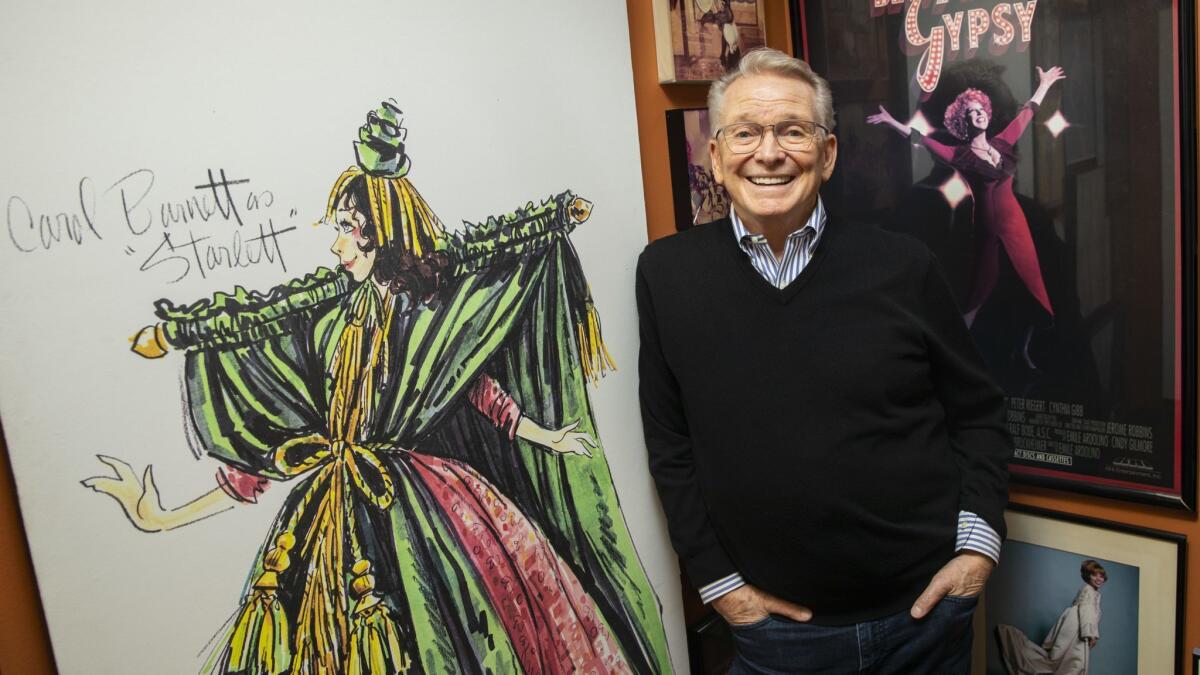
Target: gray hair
x,y
767,61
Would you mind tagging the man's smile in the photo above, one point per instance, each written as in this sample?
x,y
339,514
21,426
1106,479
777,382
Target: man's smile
x,y
770,180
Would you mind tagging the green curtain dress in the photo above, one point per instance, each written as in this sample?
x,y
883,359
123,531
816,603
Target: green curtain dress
x,y
420,535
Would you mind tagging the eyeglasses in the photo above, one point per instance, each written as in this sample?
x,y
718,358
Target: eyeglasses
x,y
745,137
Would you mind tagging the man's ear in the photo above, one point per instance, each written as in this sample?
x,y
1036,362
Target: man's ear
x,y
714,158
828,157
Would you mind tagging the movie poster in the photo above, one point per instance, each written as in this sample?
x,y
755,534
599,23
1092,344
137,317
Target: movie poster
x,y
1036,148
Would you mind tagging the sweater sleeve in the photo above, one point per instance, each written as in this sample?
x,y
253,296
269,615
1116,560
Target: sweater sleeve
x,y
973,404
490,399
1012,133
672,463
938,149
242,486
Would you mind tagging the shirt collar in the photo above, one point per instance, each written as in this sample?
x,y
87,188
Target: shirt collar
x,y
815,224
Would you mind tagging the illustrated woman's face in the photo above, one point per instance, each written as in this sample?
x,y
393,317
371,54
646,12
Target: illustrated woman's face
x,y
977,116
349,223
1097,580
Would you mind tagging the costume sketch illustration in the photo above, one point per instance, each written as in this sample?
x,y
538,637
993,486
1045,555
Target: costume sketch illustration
x,y
449,508
1068,645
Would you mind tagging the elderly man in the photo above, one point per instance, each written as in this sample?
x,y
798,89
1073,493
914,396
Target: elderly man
x,y
827,445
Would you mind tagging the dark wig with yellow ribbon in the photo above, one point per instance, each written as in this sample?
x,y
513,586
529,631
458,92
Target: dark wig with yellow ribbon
x,y
400,225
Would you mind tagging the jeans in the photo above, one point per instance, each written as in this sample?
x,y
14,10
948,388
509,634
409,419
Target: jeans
x,y
898,644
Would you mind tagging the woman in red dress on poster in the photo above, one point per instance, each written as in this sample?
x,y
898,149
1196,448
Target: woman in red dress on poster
x,y
988,166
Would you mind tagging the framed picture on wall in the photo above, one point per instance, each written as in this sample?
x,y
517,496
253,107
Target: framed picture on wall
x,y
1045,152
1075,594
698,198
697,40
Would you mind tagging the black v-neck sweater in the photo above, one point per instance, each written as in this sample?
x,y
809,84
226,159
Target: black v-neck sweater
x,y
819,439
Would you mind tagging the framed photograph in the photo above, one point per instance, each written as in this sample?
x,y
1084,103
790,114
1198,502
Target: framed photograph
x,y
698,40
698,198
1074,594
1037,148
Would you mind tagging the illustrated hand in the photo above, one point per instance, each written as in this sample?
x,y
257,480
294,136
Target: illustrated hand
x,y
748,604
139,497
882,117
564,441
964,575
149,342
1049,77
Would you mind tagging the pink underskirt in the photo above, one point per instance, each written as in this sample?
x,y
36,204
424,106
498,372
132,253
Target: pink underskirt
x,y
550,620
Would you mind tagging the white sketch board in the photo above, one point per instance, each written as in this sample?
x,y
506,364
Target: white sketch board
x,y
504,102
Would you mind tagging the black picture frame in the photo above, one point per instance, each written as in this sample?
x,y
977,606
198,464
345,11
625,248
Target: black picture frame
x,y
1102,393
710,645
1155,560
698,199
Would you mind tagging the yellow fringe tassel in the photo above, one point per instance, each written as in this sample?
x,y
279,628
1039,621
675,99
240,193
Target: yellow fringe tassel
x,y
375,646
322,642
320,633
259,644
593,355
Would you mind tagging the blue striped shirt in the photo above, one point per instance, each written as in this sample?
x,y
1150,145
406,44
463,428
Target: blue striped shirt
x,y
798,248
974,534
